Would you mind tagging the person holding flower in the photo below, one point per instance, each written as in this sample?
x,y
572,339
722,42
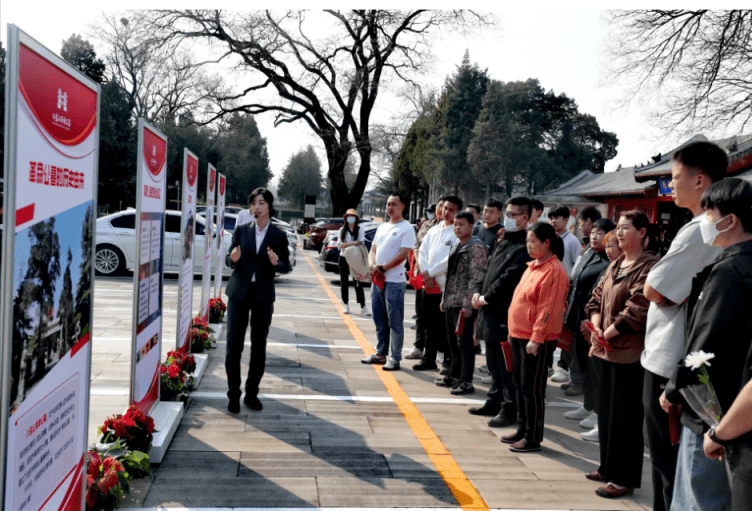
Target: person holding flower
x,y
536,317
618,310
720,324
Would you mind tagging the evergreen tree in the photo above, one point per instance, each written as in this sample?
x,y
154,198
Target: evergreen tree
x,y
117,149
243,157
84,284
302,176
80,53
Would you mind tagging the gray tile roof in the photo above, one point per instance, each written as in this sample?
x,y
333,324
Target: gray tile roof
x,y
587,184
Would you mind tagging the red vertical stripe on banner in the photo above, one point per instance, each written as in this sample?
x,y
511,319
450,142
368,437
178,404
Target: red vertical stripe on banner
x,y
24,214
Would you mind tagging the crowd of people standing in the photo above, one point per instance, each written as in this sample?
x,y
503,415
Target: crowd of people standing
x,y
625,319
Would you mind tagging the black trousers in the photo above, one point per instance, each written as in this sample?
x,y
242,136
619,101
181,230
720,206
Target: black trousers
x,y
238,315
530,375
663,455
344,284
595,368
460,346
436,334
620,423
502,388
420,326
580,349
741,492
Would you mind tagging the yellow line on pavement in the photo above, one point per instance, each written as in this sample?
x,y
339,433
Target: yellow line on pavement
x,y
463,490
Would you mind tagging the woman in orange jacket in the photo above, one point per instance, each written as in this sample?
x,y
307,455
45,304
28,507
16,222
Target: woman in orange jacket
x,y
536,316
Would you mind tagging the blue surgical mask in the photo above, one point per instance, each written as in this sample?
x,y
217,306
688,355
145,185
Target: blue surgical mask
x,y
429,216
510,224
350,219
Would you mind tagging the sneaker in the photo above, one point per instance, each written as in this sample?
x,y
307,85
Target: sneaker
x,y
578,414
573,391
364,311
415,354
487,379
560,375
391,365
589,422
592,435
565,386
425,366
345,309
445,382
462,387
483,369
374,359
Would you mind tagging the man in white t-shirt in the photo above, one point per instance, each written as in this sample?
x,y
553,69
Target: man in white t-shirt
x,y
668,285
391,246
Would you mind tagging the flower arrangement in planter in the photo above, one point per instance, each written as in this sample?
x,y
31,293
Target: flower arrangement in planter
x,y
136,463
201,335
175,381
135,430
106,481
217,310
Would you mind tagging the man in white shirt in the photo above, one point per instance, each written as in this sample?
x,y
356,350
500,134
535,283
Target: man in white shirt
x,y
559,217
391,246
668,285
434,261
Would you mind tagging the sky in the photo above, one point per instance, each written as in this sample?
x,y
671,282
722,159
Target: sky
x,y
563,48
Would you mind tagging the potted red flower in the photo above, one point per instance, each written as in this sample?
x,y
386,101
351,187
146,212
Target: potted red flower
x,y
106,482
134,429
175,381
201,335
217,310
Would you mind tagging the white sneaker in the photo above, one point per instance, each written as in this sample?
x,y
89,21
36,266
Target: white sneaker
x,y
345,309
487,379
415,354
578,414
364,311
560,375
592,435
590,422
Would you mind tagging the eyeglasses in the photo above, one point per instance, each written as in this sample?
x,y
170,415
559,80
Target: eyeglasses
x,y
512,214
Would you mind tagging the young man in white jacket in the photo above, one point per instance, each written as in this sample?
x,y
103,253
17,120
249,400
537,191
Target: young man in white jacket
x,y
434,260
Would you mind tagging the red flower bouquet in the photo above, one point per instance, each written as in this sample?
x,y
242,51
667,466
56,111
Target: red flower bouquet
x,y
134,429
217,310
174,375
201,335
106,481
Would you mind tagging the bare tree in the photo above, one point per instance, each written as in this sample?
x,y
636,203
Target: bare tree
x,y
325,68
696,64
161,80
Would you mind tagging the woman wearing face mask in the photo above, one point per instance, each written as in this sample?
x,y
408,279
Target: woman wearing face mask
x,y
350,234
536,317
618,309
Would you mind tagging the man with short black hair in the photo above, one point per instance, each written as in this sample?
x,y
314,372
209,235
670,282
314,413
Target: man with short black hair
x,y
391,246
490,228
475,210
559,217
434,261
586,217
493,296
536,211
668,285
720,324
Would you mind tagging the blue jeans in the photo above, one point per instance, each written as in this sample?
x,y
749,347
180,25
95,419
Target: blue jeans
x,y
388,310
700,483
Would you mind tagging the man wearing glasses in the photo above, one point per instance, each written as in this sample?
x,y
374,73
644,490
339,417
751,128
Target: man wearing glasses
x,y
493,296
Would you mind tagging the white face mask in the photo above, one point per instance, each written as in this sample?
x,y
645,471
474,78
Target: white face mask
x,y
350,219
710,230
429,216
510,224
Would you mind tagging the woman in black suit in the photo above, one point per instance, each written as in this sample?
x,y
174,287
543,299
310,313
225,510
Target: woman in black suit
x,y
258,252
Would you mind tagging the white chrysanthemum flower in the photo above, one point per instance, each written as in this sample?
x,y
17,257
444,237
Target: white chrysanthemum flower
x,y
697,359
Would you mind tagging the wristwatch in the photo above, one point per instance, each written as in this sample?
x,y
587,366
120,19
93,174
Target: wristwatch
x,y
381,268
711,433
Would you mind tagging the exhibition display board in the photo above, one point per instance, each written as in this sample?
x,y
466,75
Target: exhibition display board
x,y
211,180
187,235
220,236
147,279
51,159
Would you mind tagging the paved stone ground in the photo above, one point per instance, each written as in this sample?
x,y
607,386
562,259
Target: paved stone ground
x,y
308,448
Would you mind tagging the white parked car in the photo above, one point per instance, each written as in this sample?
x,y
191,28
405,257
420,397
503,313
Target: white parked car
x,y
116,244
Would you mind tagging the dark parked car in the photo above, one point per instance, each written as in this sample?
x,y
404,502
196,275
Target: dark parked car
x,y
318,231
329,258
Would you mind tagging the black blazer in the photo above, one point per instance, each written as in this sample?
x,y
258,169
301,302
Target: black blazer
x,y
251,263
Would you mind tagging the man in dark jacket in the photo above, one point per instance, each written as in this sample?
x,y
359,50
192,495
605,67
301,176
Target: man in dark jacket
x,y
258,251
505,268
720,324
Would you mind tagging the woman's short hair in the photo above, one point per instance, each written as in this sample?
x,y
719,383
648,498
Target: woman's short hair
x,y
267,195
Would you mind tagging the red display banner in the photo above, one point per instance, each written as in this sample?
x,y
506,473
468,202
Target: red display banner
x,y
187,237
47,276
147,306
